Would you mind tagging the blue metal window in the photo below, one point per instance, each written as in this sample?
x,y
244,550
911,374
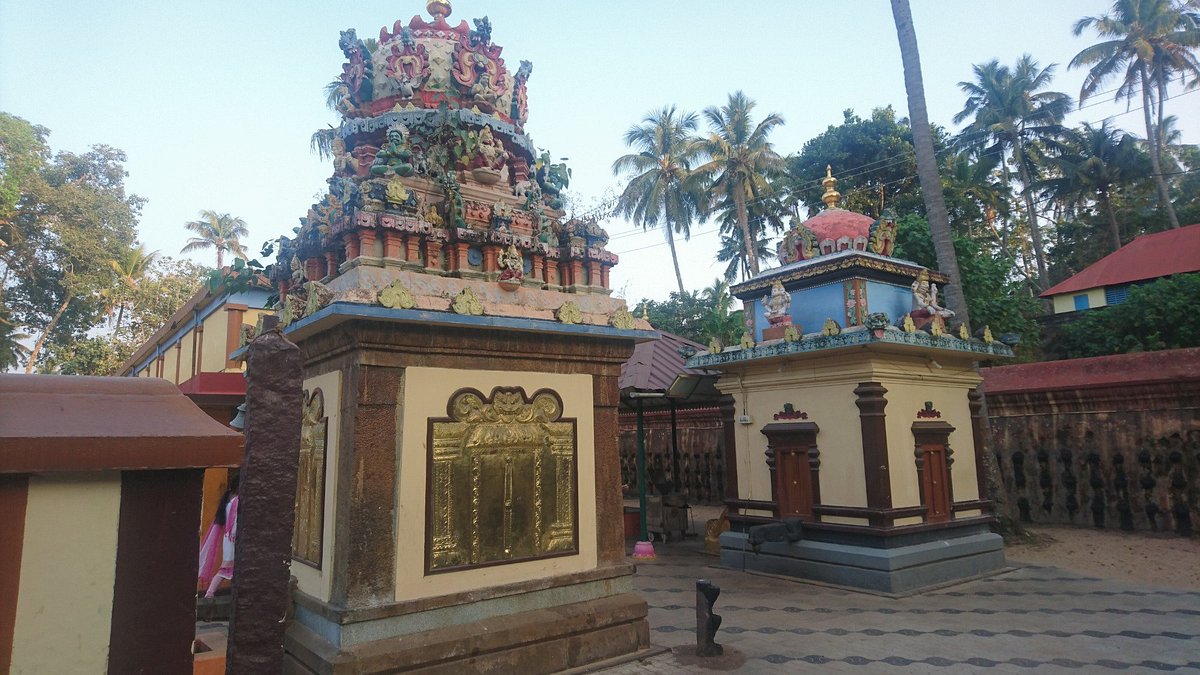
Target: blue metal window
x,y
1115,295
1081,302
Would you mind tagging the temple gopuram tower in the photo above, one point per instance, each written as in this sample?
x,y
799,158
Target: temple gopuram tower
x,y
458,506
858,414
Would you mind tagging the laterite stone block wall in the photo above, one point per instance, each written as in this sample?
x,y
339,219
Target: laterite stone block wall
x,y
1111,441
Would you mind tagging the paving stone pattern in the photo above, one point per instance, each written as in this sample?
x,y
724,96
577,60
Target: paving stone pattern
x,y
1025,620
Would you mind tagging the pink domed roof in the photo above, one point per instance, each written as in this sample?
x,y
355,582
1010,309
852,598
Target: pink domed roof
x,y
833,224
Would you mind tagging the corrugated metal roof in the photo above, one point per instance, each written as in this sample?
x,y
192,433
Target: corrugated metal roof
x,y
655,364
1147,257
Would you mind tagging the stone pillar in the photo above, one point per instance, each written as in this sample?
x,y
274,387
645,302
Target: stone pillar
x,y
266,505
537,271
313,268
606,396
393,245
979,425
366,243
351,240
331,266
593,278
491,258
365,553
433,254
412,248
871,403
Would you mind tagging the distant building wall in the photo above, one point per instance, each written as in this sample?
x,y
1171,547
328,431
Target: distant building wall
x,y
1111,441
1067,301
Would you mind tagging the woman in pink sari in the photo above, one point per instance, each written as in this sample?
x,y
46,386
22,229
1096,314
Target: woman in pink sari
x,y
219,541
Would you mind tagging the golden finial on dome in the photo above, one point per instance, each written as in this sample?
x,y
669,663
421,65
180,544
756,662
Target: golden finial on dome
x,y
438,9
831,195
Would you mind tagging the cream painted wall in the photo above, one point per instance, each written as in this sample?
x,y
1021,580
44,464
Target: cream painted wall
x,y
171,358
947,389
426,393
1066,302
185,358
822,385
68,567
319,582
214,338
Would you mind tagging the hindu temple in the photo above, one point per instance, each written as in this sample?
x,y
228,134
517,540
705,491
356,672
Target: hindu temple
x,y
457,506
859,436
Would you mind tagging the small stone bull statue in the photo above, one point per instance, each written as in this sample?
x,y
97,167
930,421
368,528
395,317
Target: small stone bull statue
x,y
788,529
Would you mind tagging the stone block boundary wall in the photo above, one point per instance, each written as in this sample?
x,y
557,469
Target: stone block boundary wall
x,y
1111,441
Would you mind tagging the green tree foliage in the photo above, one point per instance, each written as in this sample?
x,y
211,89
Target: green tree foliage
x,y
1157,315
722,323
681,313
662,189
23,156
994,299
698,316
164,287
866,155
69,226
740,161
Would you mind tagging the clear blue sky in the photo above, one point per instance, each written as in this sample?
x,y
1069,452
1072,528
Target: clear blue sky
x,y
215,101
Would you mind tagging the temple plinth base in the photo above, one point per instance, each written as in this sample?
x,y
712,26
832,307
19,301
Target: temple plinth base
x,y
471,520
895,563
534,641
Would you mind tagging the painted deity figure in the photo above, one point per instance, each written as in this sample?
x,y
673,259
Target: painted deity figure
x,y
344,164
778,305
489,152
482,90
925,293
512,266
394,158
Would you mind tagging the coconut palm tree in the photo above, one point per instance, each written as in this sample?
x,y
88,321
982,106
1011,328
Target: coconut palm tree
x,y
927,168
219,231
1009,114
663,189
1145,43
130,268
1093,164
740,157
768,214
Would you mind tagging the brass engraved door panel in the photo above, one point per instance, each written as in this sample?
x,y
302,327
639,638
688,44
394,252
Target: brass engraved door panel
x,y
501,480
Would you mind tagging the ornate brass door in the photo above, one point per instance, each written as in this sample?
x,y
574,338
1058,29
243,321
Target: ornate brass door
x,y
501,482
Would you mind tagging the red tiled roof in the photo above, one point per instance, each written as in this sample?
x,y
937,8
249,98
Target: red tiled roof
x,y
1147,257
1118,370
655,364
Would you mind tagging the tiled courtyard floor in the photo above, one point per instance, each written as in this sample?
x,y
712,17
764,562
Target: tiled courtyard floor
x,y
1026,620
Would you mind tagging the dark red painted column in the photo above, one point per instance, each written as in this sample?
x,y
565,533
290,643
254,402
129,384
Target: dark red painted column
x,y
871,403
154,599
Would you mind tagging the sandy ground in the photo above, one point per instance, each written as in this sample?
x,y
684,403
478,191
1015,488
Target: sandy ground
x,y
1157,559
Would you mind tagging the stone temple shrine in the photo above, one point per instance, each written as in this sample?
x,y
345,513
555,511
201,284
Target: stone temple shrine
x,y
458,507
858,414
